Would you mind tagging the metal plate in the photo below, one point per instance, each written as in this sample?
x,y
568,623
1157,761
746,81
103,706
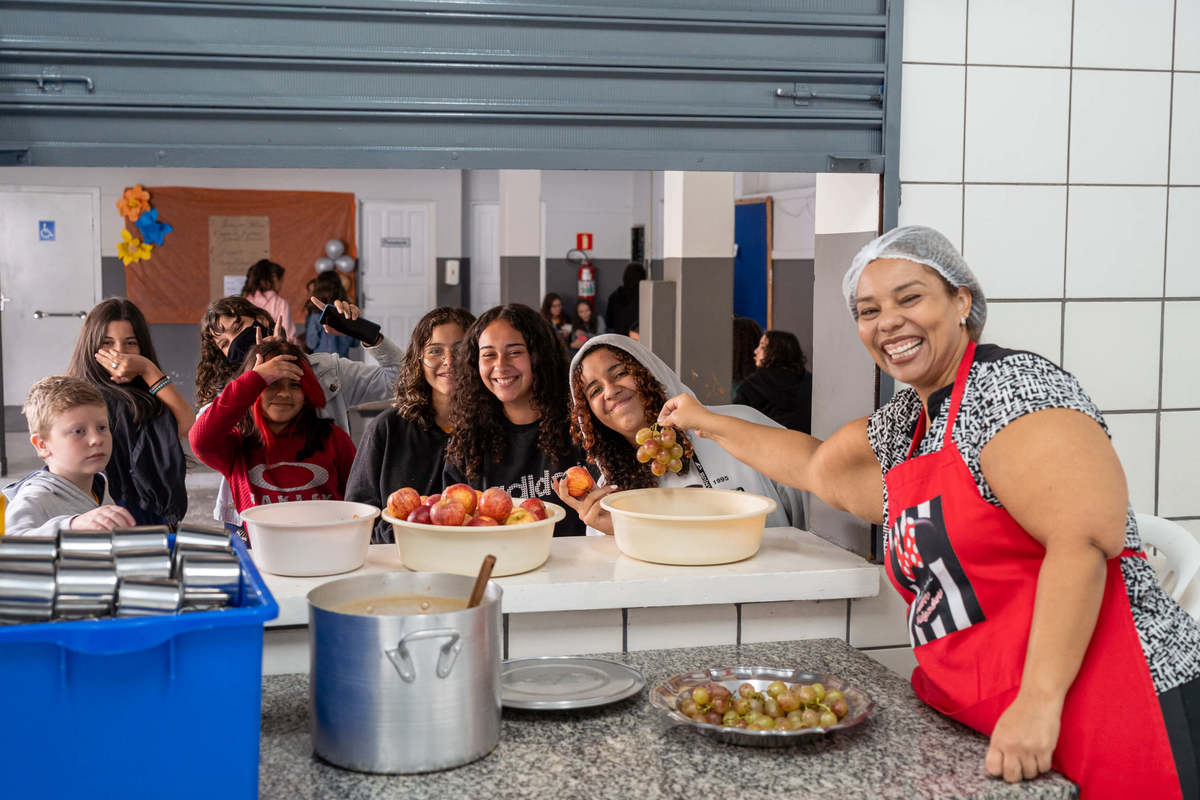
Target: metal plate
x,y
663,697
557,683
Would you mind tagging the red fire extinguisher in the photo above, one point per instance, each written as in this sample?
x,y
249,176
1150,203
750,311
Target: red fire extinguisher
x,y
585,278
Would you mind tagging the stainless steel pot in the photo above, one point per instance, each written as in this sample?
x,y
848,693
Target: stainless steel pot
x,y
402,694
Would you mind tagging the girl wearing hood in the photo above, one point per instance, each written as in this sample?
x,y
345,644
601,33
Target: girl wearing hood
x,y
617,388
509,409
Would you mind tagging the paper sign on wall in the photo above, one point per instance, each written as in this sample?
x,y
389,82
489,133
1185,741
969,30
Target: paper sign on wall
x,y
235,243
232,284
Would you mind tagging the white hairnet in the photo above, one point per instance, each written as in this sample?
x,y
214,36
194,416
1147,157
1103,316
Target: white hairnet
x,y
924,246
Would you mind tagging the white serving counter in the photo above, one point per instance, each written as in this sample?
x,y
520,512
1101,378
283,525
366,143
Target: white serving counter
x,y
589,598
588,572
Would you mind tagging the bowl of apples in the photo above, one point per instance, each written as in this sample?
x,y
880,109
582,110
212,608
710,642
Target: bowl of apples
x,y
453,531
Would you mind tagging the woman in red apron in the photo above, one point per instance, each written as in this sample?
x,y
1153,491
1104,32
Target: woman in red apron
x,y
1033,615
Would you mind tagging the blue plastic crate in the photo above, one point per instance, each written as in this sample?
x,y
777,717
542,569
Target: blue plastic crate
x,y
165,706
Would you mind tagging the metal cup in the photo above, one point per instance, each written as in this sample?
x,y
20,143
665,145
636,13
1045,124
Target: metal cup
x,y
212,571
200,536
139,597
17,613
143,565
82,606
213,550
29,547
142,539
41,566
26,586
93,580
85,542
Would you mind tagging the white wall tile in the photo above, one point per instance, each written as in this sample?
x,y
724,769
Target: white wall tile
x,y
1016,125
879,621
1181,357
1179,464
1123,34
1133,438
899,660
798,619
1183,243
1013,238
935,30
1185,129
1036,327
1187,34
681,626
1115,241
1119,126
564,633
931,123
1036,33
1112,348
934,205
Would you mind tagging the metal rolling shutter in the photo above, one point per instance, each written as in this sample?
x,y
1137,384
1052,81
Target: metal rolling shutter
x,y
768,85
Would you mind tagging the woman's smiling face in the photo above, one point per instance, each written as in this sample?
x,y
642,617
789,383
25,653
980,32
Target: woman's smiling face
x,y
612,393
435,356
504,363
910,324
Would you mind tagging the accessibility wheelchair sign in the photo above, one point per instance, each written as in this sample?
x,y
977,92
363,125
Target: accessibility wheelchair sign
x,y
46,230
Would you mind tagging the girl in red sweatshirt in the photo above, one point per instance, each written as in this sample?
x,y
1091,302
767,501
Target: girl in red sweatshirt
x,y
263,433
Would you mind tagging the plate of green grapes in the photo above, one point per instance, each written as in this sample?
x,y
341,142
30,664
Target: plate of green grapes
x,y
761,706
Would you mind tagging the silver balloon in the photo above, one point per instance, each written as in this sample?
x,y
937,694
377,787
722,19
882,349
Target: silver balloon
x,y
334,248
324,264
344,264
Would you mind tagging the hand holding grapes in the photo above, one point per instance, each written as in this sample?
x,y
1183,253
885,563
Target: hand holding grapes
x,y
1024,739
685,412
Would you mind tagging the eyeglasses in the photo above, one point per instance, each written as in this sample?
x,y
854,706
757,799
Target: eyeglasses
x,y
434,355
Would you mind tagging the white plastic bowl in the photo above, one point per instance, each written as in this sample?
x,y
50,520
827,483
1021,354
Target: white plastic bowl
x,y
688,526
461,549
310,537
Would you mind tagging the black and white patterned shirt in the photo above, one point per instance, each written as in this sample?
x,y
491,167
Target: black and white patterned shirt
x,y
1002,386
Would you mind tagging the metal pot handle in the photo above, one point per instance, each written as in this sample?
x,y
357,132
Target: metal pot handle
x,y
402,661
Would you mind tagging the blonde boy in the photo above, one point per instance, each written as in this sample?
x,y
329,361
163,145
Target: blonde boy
x,y
68,425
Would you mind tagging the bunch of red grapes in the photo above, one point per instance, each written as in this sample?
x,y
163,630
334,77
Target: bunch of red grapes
x,y
779,708
657,446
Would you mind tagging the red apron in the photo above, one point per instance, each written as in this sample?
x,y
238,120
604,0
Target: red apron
x,y
969,574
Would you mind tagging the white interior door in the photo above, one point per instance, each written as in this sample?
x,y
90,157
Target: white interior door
x,y
49,263
485,256
397,265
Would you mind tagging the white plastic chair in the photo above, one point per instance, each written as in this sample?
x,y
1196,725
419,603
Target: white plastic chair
x,y
1178,559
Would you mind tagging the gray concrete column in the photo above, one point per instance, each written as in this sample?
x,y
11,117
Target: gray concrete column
x,y
520,236
656,318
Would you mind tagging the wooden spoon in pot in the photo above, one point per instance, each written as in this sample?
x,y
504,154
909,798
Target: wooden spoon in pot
x,y
485,573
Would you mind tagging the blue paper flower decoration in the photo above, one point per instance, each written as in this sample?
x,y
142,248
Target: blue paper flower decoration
x,y
152,230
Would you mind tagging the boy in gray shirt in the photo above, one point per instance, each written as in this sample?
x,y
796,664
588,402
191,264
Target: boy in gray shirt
x,y
68,424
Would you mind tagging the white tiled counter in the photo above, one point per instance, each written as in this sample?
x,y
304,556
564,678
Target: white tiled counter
x,y
588,597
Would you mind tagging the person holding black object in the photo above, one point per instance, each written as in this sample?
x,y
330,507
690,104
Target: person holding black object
x,y
509,410
405,445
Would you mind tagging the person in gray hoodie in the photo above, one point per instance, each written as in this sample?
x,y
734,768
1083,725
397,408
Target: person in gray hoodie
x,y
69,428
617,386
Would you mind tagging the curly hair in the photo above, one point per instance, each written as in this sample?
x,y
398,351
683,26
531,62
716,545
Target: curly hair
x,y
746,335
135,394
414,395
252,428
783,350
261,277
213,370
610,450
477,415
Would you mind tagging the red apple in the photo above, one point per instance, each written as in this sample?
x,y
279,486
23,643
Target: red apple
x,y
495,503
535,507
447,512
420,514
518,517
579,481
464,494
481,520
433,498
401,502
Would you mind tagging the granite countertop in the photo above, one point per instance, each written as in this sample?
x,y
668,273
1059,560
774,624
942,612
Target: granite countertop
x,y
905,750
589,572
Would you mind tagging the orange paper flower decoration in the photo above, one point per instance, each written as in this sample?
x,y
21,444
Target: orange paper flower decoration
x,y
131,249
133,202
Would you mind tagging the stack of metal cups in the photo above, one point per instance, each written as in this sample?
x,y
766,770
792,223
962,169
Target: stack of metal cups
x,y
27,578
207,568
